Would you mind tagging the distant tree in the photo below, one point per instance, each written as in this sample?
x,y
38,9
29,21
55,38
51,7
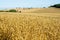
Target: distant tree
x,y
56,6
12,10
43,7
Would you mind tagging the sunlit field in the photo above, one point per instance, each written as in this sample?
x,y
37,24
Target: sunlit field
x,y
29,26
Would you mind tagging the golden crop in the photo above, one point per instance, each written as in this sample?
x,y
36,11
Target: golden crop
x,y
32,26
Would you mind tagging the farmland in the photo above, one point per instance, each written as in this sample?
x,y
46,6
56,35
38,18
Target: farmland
x,y
33,25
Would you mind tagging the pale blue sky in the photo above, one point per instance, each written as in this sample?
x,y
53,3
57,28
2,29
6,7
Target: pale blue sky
x,y
26,3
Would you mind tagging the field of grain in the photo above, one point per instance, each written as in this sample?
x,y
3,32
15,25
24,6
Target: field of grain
x,y
38,10
29,26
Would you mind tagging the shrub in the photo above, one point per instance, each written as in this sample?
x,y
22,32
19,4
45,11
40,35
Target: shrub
x,y
12,10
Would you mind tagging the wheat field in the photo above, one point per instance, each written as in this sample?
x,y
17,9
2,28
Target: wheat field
x,y
29,26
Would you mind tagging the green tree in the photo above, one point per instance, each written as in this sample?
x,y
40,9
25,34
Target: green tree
x,y
56,6
12,10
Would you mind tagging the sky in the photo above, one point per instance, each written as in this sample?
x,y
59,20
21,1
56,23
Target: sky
x,y
27,3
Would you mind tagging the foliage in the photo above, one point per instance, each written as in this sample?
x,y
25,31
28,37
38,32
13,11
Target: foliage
x,y
56,6
12,10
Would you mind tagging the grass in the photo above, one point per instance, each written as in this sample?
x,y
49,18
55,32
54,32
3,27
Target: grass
x,y
32,26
